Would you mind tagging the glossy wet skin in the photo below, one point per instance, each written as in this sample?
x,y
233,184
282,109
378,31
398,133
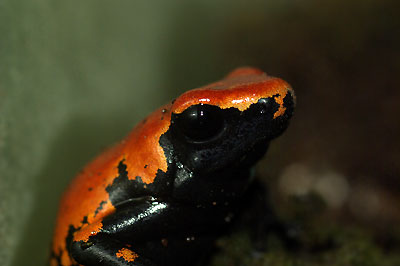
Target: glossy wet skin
x,y
177,174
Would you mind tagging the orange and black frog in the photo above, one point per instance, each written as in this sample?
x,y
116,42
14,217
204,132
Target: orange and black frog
x,y
161,195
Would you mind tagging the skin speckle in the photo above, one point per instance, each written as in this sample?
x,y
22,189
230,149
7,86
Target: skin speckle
x,y
127,254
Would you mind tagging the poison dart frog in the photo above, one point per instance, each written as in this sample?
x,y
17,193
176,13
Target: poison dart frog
x,y
156,197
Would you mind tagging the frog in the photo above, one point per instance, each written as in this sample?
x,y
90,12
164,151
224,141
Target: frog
x,y
161,195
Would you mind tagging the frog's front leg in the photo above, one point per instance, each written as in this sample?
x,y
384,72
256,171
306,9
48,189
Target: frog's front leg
x,y
120,238
108,241
107,251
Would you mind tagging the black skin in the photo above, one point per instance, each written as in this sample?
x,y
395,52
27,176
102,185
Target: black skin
x,y
175,220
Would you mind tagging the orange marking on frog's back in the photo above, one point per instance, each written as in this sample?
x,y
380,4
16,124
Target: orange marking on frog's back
x,y
83,197
87,195
148,156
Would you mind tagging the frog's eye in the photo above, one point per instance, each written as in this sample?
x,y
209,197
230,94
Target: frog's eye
x,y
200,123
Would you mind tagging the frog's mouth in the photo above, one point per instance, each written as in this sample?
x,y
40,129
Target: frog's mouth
x,y
254,154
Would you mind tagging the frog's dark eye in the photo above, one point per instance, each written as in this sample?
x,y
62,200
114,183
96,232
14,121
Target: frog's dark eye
x,y
200,122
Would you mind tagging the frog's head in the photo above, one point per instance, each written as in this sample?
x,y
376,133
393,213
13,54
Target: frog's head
x,y
225,127
227,122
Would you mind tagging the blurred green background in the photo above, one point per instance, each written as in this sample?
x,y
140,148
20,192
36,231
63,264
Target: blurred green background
x,y
75,77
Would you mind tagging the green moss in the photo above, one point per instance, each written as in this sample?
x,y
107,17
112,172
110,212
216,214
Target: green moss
x,y
339,246
322,241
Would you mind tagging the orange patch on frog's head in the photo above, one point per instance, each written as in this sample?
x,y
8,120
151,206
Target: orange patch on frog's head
x,y
239,89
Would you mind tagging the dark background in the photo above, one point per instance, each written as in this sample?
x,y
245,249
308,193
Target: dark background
x,y
76,77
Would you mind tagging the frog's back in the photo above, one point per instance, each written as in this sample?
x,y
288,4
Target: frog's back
x,y
92,194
